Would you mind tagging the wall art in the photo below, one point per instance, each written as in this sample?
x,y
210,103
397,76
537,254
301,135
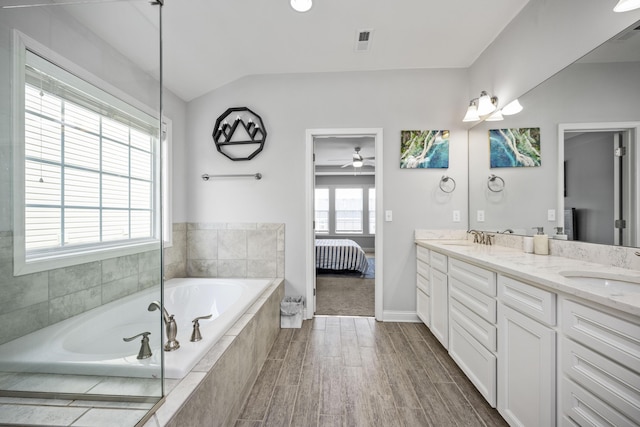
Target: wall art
x,y
239,133
518,147
424,149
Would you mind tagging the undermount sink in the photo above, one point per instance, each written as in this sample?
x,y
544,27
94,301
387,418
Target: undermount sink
x,y
457,243
614,282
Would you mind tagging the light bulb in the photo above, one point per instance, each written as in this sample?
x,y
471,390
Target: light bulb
x,y
513,107
626,5
485,106
357,163
496,116
301,5
472,113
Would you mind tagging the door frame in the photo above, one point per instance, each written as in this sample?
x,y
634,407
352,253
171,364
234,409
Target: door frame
x,y
310,263
632,129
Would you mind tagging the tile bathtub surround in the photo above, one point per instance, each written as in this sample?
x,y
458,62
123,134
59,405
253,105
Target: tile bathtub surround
x,y
234,250
34,301
213,392
175,256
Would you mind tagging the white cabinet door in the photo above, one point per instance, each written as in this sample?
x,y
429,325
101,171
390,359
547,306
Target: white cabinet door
x,y
423,306
439,307
526,370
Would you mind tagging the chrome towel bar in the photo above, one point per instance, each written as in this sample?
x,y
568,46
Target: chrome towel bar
x,y
207,177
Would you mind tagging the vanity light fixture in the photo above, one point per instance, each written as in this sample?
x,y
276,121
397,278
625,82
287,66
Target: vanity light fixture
x,y
472,112
496,116
301,5
626,5
486,104
514,107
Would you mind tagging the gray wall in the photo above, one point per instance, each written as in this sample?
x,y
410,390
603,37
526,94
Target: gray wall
x,y
544,38
290,104
568,97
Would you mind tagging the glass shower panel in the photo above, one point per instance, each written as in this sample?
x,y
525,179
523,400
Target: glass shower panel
x,y
80,211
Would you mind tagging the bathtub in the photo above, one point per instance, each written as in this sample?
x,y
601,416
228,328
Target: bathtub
x,y
92,342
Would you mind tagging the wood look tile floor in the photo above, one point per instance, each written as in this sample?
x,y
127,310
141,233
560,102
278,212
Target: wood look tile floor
x,y
354,371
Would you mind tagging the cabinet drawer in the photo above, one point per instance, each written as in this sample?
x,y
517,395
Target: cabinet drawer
x,y
478,363
479,303
423,307
423,269
439,261
423,284
615,337
422,254
534,302
604,378
586,410
476,277
479,328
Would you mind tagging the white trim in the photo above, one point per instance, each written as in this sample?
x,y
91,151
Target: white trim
x,y
20,44
401,316
310,271
634,128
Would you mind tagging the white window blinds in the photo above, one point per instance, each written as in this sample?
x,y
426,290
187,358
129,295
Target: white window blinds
x,y
89,164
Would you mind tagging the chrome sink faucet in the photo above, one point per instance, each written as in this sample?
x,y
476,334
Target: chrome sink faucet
x,y
477,235
170,325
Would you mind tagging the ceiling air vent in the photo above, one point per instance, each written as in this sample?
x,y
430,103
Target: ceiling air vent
x,y
363,40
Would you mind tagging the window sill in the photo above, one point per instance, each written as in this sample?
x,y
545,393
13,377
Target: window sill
x,y
22,267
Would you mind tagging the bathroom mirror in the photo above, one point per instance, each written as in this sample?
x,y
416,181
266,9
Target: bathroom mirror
x,y
596,98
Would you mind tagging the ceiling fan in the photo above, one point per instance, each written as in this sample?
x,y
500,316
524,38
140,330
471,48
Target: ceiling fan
x,y
358,161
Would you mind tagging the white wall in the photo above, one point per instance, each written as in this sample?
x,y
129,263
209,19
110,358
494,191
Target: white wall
x,y
545,37
581,93
290,104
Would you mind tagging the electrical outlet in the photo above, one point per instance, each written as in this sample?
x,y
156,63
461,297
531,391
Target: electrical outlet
x,y
480,216
456,216
551,215
388,216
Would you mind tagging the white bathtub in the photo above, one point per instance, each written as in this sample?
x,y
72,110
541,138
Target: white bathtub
x,y
92,342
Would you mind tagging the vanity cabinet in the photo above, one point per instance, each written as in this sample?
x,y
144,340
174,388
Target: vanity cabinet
x,y
600,366
472,324
527,354
542,357
423,285
439,305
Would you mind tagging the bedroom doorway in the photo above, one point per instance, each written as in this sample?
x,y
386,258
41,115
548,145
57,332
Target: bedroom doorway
x,y
344,202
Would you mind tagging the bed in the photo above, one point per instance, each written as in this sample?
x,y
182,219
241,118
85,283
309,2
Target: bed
x,y
341,255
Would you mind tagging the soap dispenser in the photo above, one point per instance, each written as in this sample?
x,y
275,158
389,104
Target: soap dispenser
x,y
560,234
540,242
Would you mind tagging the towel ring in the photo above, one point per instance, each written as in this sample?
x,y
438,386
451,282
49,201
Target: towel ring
x,y
447,188
495,183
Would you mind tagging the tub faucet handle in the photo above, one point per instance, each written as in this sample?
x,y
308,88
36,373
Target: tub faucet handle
x,y
145,349
195,335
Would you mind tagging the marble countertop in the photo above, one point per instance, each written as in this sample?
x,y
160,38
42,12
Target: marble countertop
x,y
543,270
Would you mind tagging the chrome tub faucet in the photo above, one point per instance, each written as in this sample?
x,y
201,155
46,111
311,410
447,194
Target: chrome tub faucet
x,y
170,325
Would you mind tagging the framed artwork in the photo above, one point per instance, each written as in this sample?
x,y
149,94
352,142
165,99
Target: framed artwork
x,y
518,147
424,149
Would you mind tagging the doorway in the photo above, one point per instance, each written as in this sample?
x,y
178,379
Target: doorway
x,y
346,187
600,182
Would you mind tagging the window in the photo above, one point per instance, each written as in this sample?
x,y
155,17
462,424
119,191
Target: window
x,y
90,167
322,210
348,210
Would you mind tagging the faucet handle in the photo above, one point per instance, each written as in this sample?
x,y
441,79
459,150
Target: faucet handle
x,y
489,237
145,349
195,335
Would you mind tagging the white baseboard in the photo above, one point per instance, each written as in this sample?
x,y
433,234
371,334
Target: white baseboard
x,y
400,316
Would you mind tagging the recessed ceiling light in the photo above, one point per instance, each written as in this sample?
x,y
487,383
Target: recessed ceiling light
x,y
301,5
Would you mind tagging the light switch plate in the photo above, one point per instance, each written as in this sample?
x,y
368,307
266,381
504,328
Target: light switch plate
x,y
388,216
456,216
480,216
551,215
